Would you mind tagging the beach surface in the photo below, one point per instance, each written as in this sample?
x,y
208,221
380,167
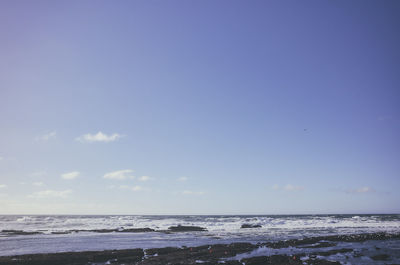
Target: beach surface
x,y
342,249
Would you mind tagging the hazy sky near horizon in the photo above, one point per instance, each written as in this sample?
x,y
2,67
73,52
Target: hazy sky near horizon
x,y
199,107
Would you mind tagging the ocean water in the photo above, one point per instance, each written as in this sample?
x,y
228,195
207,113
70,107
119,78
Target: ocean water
x,y
60,233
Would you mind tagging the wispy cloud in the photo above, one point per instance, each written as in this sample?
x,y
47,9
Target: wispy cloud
x,y
360,190
137,188
288,187
70,175
98,137
145,178
190,192
2,186
182,178
46,136
50,194
275,187
132,188
39,184
1,158
120,174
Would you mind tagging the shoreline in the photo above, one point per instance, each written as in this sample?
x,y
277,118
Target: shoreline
x,y
315,249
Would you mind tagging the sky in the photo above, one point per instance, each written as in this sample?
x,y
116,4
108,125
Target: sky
x,y
199,107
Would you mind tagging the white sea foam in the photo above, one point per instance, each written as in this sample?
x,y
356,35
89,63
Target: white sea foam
x,y
211,223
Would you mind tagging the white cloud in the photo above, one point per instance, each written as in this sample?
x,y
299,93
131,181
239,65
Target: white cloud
x,y
290,187
1,158
361,190
70,175
133,188
364,189
2,186
38,184
98,137
136,188
120,174
50,194
145,178
183,178
47,136
190,192
275,187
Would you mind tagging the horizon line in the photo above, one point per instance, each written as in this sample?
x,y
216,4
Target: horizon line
x,y
276,214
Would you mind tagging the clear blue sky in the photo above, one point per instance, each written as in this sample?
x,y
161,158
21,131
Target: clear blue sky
x,y
199,107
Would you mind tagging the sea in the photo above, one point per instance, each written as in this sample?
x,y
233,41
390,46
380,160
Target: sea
x,y
29,234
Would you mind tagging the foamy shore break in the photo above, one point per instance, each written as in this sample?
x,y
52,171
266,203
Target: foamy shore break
x,y
314,250
171,229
